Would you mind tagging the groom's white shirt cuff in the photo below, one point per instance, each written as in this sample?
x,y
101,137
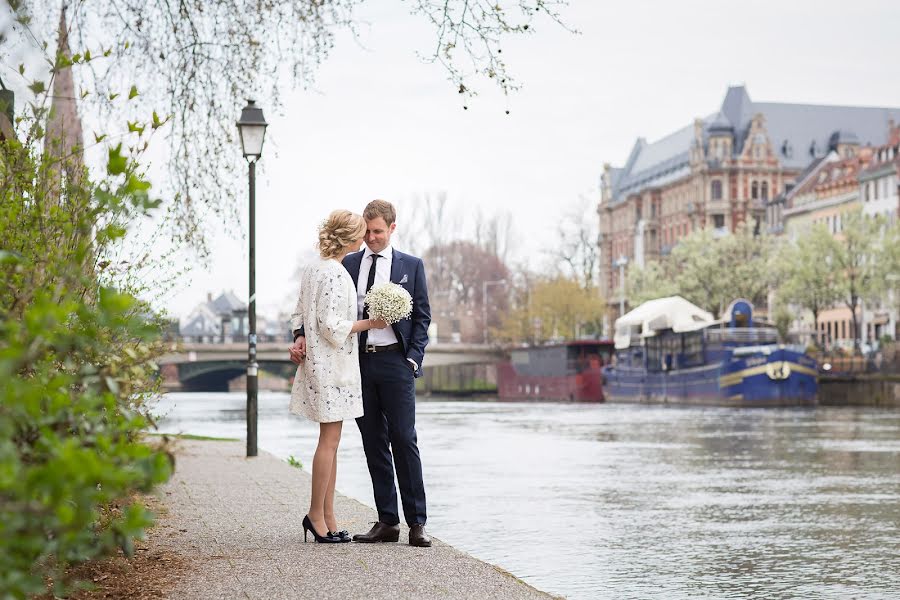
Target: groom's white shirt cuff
x,y
414,364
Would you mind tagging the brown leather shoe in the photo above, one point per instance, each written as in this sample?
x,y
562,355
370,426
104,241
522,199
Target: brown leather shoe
x,y
418,537
380,532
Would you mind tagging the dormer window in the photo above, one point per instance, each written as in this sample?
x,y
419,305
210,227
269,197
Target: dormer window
x,y
813,149
787,149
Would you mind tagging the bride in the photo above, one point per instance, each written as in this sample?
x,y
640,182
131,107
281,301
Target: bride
x,y
327,386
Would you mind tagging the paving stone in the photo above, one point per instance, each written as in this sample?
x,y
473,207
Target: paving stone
x,y
238,520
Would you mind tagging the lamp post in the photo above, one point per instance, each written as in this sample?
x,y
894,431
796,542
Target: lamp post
x,y
621,262
252,128
484,287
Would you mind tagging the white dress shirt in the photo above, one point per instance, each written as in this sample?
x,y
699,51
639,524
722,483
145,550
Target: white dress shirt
x,y
377,337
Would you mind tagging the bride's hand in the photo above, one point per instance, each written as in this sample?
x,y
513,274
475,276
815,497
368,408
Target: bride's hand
x,y
378,323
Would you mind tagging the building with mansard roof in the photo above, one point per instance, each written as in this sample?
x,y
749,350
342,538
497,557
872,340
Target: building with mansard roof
x,y
718,172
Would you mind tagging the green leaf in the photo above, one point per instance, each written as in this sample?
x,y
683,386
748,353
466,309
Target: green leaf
x,y
87,56
8,257
116,164
99,138
133,92
135,128
157,122
113,96
21,69
38,87
136,184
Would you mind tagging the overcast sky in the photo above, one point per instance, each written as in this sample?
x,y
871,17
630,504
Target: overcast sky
x,y
383,124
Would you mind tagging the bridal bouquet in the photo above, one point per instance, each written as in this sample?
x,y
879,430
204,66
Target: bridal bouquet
x,y
390,302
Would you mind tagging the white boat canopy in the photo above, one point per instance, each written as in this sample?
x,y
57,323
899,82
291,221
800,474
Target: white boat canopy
x,y
673,312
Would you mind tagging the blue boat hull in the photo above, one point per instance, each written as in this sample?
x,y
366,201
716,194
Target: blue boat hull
x,y
781,377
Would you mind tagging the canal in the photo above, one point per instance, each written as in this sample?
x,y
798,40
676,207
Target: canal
x,y
625,501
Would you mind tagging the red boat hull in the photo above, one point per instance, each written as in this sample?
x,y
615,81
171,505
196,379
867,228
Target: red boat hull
x,y
568,372
583,387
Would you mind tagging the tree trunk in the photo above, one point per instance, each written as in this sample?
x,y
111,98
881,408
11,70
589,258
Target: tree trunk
x,y
854,301
816,341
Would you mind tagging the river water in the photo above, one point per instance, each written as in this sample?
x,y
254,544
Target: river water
x,y
625,501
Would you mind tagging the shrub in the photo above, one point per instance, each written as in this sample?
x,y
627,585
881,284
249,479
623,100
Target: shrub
x,y
76,352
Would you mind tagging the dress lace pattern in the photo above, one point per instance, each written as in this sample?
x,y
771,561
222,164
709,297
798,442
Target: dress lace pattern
x,y
327,385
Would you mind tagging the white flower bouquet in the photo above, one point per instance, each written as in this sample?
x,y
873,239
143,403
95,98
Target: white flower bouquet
x,y
390,302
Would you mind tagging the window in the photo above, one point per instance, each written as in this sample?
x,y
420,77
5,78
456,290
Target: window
x,y
718,221
716,190
875,190
754,190
765,190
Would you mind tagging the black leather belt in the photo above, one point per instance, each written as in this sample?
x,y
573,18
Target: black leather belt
x,y
372,348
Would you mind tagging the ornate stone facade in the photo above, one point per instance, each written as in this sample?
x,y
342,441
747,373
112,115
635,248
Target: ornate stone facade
x,y
719,172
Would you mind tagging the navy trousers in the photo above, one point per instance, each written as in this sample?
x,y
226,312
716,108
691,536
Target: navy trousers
x,y
389,427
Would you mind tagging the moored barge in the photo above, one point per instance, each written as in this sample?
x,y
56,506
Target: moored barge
x,y
670,351
564,372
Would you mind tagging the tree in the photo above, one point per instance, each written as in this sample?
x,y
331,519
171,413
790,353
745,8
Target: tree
x,y
577,252
712,270
196,58
554,308
457,272
861,257
807,277
655,280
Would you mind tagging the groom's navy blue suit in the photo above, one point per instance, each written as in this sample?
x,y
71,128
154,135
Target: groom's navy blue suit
x,y
389,398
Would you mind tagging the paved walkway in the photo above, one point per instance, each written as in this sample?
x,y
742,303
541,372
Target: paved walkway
x,y
237,521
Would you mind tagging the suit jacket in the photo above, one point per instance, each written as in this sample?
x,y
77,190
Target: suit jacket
x,y
409,272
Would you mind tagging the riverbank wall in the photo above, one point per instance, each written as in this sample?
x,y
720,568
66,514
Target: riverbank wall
x,y
880,391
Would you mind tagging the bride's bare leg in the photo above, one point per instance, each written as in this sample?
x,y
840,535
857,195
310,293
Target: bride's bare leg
x,y
330,520
322,471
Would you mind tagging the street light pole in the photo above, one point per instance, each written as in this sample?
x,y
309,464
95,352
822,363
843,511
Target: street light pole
x,y
252,364
484,287
252,128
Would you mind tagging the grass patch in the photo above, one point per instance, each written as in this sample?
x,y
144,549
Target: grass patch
x,y
190,436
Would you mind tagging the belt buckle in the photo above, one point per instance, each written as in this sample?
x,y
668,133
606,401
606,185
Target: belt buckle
x,y
370,348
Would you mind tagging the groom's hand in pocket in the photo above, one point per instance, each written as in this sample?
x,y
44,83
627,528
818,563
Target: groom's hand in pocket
x,y
298,350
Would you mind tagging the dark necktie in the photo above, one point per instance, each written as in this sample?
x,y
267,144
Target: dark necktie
x,y
364,335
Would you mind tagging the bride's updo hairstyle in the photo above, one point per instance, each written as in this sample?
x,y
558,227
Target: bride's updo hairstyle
x,y
339,230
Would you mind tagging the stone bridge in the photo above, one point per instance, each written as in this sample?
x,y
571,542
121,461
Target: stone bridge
x,y
210,367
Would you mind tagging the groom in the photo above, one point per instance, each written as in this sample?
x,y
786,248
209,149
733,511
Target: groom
x,y
390,359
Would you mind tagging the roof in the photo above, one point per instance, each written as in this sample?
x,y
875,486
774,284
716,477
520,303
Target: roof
x,y
202,321
228,303
831,172
799,133
671,312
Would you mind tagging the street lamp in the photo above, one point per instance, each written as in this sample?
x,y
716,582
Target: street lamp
x,y
621,262
252,128
484,287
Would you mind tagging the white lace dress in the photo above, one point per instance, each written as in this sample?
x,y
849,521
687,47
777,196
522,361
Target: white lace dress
x,y
327,385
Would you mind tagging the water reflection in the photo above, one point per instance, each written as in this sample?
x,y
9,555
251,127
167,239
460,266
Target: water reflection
x,y
620,501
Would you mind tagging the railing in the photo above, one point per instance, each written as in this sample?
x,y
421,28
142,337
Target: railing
x,y
887,363
743,335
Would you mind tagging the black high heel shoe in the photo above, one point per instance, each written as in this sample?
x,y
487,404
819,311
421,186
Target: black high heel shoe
x,y
343,534
322,539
